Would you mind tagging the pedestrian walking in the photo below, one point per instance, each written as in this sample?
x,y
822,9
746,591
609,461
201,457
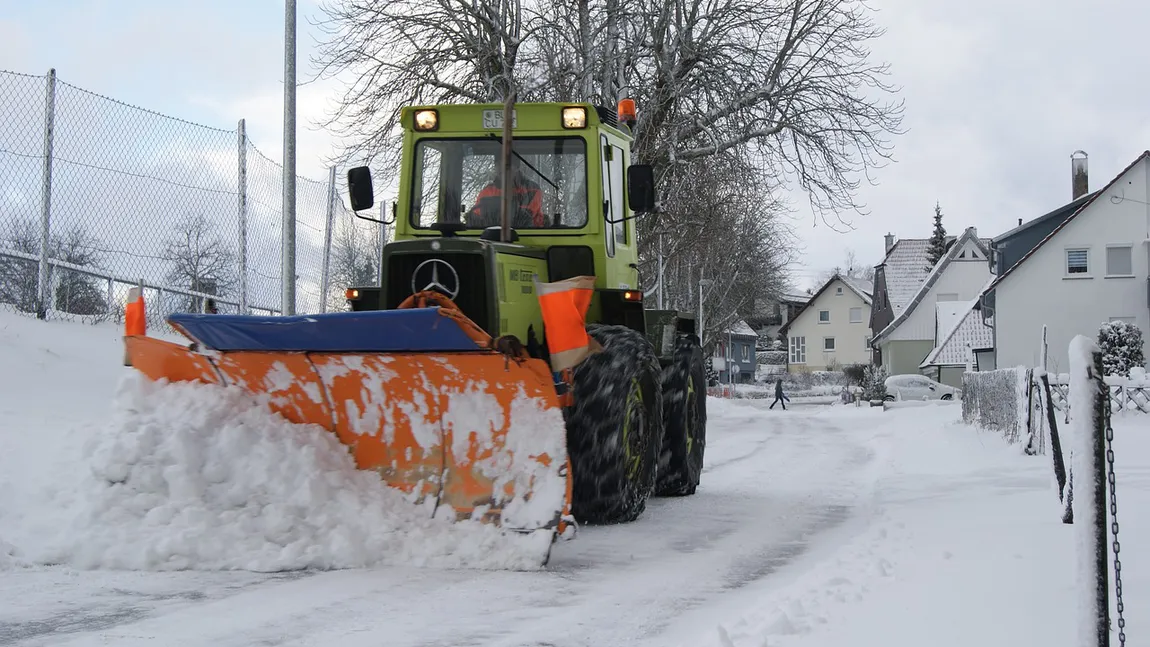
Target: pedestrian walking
x,y
780,397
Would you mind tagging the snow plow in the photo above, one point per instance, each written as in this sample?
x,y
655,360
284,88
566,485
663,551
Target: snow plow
x,y
504,365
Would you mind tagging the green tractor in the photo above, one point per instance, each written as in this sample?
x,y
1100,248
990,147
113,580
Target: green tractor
x,y
636,426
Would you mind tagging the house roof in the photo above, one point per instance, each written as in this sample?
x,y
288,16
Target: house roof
x,y
1060,212
967,331
741,329
905,268
931,279
858,286
1054,232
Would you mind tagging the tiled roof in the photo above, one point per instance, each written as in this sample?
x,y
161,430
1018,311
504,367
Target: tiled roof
x,y
906,267
968,332
931,278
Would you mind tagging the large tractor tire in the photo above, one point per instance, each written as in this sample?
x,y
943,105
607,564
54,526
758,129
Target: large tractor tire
x,y
684,420
615,427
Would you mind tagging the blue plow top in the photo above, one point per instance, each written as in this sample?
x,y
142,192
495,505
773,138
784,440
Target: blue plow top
x,y
414,329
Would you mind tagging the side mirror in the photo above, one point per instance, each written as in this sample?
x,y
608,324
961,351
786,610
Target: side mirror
x,y
359,188
641,188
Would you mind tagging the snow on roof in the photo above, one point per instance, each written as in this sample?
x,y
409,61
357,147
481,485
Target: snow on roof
x,y
862,286
967,331
947,314
740,328
795,297
924,287
905,269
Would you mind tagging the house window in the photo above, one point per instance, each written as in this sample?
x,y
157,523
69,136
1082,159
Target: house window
x,y
824,316
866,343
828,343
856,315
839,291
1119,260
1077,261
746,353
798,350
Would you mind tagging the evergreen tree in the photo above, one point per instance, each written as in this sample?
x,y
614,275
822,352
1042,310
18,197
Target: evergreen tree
x,y
1121,346
937,239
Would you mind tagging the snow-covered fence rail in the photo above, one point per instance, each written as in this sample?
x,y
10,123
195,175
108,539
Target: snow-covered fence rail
x,y
1126,394
101,191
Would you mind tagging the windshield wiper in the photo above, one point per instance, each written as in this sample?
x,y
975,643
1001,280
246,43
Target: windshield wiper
x,y
546,179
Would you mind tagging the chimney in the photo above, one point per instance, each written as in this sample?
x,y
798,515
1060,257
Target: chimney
x,y
1079,181
889,238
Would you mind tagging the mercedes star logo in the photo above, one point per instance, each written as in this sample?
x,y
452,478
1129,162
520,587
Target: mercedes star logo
x,y
431,277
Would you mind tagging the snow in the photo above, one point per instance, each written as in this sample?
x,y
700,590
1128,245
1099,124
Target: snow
x,y
1083,387
816,526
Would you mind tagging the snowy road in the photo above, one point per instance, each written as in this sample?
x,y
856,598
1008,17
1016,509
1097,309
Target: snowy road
x,y
775,486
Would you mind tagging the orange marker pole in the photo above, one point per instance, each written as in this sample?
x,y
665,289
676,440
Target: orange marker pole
x,y
564,307
135,319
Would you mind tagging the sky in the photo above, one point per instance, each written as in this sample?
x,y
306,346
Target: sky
x,y
998,96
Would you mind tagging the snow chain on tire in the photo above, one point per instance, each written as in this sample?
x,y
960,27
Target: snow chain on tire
x,y
615,428
684,419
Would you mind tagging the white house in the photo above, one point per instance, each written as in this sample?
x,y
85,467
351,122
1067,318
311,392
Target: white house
x,y
1090,269
957,278
833,329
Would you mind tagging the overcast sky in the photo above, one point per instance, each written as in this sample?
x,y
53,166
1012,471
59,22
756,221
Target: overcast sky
x,y
998,95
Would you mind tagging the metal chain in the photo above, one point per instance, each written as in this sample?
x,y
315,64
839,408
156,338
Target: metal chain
x,y
1114,523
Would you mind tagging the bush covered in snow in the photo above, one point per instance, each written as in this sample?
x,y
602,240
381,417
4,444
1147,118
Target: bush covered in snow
x,y
855,373
995,400
1121,345
874,383
771,357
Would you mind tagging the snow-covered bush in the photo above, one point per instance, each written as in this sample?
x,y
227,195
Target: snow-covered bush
x,y
1121,345
874,383
772,357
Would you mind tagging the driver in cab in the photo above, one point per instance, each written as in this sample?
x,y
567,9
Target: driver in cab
x,y
526,208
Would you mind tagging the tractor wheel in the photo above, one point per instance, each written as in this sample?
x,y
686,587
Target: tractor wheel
x,y
615,427
684,419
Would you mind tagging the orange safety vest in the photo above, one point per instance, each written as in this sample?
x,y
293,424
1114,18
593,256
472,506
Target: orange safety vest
x,y
533,204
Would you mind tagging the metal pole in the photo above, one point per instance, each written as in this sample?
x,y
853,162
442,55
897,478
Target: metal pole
x,y
287,297
660,297
42,286
242,206
324,276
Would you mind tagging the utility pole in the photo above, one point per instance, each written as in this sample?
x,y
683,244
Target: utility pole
x,y
287,242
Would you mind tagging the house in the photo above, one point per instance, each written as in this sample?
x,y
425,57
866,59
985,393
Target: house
x,y
963,337
771,314
735,352
896,280
1090,269
833,329
914,331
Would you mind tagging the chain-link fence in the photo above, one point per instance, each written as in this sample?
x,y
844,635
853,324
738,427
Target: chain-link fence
x,y
97,195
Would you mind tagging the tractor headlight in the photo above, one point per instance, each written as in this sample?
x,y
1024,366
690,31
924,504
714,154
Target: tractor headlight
x,y
575,117
426,119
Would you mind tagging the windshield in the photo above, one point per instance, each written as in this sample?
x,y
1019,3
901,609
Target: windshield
x,y
460,181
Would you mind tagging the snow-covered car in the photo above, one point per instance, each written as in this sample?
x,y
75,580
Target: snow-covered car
x,y
918,387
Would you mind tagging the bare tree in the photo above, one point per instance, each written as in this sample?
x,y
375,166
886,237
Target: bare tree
x,y
200,259
851,267
75,292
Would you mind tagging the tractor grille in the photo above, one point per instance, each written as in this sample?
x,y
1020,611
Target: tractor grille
x,y
472,299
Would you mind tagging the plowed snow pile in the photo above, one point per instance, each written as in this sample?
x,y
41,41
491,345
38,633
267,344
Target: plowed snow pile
x,y
196,476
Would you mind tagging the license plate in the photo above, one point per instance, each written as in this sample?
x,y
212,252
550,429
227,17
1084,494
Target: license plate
x,y
493,119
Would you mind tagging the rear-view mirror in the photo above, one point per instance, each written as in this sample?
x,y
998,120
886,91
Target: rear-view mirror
x,y
641,188
359,188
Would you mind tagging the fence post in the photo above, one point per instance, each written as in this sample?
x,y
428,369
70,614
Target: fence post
x,y
242,205
1088,396
324,275
42,285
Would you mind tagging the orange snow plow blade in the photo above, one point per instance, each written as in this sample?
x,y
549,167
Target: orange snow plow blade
x,y
417,395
